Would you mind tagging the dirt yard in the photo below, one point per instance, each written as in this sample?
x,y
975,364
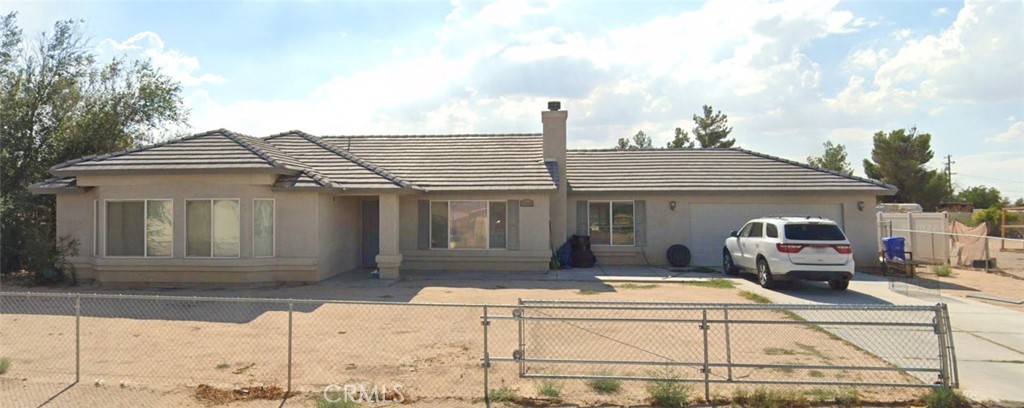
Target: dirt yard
x,y
159,352
963,282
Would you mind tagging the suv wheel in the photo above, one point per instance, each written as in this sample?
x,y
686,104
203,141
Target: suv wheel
x,y
839,284
727,265
764,274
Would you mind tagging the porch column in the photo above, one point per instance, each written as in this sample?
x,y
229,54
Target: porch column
x,y
389,259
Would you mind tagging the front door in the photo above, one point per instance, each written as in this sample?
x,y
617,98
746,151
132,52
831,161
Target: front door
x,y
371,232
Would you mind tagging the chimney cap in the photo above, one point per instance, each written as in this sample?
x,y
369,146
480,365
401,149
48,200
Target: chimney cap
x,y
554,105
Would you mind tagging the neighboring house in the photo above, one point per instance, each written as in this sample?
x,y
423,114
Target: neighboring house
x,y
225,207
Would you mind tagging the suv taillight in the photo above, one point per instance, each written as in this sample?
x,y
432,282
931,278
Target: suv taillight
x,y
843,249
789,248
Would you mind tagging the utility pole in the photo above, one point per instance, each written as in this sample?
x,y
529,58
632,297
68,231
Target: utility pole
x,y
949,171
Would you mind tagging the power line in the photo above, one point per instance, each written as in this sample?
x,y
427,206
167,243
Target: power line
x,y
988,178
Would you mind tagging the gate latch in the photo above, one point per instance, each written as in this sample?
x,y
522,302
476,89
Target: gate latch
x,y
517,355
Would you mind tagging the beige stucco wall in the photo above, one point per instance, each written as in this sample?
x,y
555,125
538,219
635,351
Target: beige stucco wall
x,y
666,227
339,234
534,251
296,216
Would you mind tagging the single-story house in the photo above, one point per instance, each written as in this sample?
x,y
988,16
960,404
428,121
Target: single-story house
x,y
225,207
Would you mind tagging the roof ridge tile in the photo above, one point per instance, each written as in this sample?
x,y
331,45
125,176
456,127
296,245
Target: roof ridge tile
x,y
380,171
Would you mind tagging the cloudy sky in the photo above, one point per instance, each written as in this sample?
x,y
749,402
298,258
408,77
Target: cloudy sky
x,y
790,74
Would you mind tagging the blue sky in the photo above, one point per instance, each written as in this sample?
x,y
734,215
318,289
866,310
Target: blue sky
x,y
790,74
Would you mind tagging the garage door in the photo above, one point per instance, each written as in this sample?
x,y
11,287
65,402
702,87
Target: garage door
x,y
710,223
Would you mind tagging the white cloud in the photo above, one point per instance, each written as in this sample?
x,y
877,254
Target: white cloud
x,y
173,63
976,59
941,11
1014,134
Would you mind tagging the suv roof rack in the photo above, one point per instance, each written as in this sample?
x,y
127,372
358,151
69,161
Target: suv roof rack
x,y
807,216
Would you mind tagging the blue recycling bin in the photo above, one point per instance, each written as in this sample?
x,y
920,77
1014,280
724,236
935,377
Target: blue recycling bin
x,y
894,248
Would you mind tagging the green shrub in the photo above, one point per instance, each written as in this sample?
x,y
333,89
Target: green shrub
x,y
504,394
605,385
670,394
943,271
993,218
945,397
549,388
5,364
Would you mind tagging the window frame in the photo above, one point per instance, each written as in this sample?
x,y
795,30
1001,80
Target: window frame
x,y
145,229
213,218
611,221
273,229
96,228
448,226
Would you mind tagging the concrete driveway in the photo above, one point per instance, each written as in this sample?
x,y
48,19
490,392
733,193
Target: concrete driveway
x,y
989,339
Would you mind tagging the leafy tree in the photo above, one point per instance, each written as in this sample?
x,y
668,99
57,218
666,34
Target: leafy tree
x,y
899,158
640,141
833,159
1019,202
982,197
59,104
712,129
681,141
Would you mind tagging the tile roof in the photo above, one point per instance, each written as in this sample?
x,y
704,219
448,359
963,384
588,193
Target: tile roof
x,y
506,162
57,185
341,168
456,162
214,150
702,170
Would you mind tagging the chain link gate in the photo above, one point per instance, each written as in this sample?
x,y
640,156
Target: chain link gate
x,y
722,344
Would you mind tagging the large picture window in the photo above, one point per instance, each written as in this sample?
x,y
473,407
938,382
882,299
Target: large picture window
x,y
262,228
212,228
468,224
140,228
611,223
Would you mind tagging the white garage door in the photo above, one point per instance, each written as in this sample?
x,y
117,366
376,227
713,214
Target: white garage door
x,y
710,224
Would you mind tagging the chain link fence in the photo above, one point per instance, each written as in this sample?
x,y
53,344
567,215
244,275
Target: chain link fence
x,y
719,349
110,350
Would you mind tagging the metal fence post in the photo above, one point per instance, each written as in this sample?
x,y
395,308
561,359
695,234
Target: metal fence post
x,y
728,343
487,360
78,337
291,307
954,376
940,331
705,369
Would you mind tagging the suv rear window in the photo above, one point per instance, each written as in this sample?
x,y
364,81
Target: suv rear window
x,y
814,232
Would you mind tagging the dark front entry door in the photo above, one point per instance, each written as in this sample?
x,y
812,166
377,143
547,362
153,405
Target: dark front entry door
x,y
371,232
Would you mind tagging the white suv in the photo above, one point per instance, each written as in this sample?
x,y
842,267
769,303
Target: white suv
x,y
783,248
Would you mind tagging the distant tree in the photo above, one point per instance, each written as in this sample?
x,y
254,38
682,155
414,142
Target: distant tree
x,y
833,159
681,141
1019,202
640,141
623,144
982,197
712,129
899,158
59,104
